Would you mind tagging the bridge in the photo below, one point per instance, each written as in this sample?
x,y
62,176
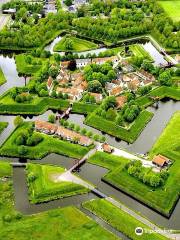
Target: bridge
x,y
18,164
64,114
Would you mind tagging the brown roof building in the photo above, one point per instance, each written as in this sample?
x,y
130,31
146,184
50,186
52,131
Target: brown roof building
x,y
116,91
160,160
121,100
107,148
45,127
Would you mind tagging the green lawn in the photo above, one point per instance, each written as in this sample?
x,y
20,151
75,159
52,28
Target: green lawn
x,y
119,219
47,146
107,160
163,198
3,125
83,108
66,223
25,68
78,44
2,77
172,8
36,107
110,127
42,186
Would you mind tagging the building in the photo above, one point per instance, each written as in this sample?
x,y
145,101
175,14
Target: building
x,y
80,63
73,93
160,160
100,61
121,100
65,64
73,136
134,84
45,127
107,148
98,97
116,91
49,83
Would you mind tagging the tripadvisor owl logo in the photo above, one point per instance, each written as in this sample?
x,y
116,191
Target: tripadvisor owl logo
x,y
139,231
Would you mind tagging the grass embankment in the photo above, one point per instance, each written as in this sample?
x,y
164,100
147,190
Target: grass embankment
x,y
67,223
83,108
27,68
119,219
3,125
172,8
47,146
36,107
44,185
162,199
139,51
77,44
2,77
161,92
110,127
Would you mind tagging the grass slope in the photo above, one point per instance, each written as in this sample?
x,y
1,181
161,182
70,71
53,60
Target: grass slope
x,y
44,188
78,45
2,77
36,107
119,219
128,135
47,146
67,223
83,108
172,8
139,51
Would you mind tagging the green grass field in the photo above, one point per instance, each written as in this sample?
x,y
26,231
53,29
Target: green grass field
x,y
2,77
44,188
172,8
78,44
61,223
119,219
3,125
83,108
47,146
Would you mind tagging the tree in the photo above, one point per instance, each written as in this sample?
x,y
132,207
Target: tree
x,y
68,2
51,118
111,114
165,78
68,44
53,71
95,86
22,150
18,121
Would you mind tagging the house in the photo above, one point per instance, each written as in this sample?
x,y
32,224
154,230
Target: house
x,y
100,61
116,91
73,93
121,100
83,86
146,77
64,64
107,148
82,62
126,67
134,84
63,76
73,136
98,97
160,160
49,83
45,127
